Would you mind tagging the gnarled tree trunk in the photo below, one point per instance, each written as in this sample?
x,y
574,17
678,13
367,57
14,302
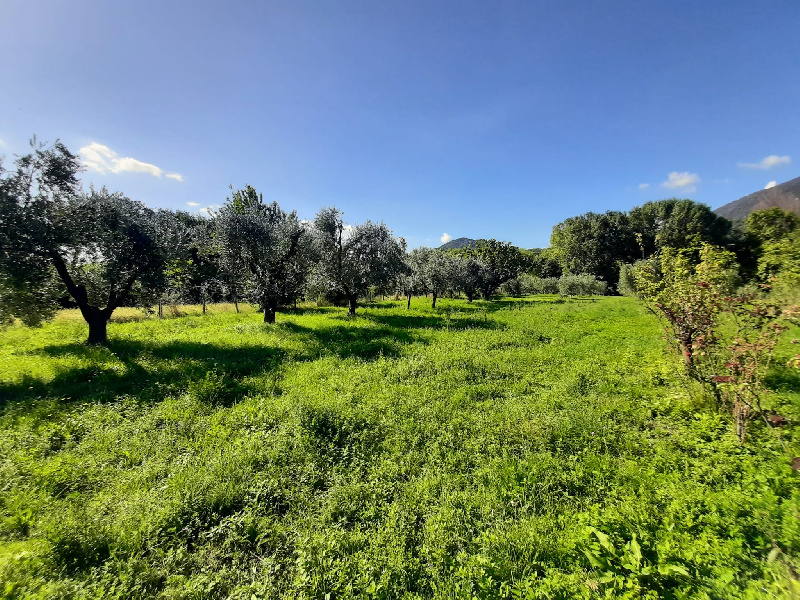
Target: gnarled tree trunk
x,y
269,314
352,302
98,328
97,318
435,295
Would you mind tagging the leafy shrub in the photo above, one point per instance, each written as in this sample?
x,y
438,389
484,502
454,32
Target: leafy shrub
x,y
686,294
726,342
628,273
538,285
512,287
581,285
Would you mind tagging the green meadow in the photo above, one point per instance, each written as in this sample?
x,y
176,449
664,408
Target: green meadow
x,y
521,449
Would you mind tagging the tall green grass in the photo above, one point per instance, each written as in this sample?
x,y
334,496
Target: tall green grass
x,y
534,448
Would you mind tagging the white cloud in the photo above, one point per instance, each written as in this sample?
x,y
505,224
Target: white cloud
x,y
771,184
644,186
103,159
685,181
210,209
773,160
193,203
446,237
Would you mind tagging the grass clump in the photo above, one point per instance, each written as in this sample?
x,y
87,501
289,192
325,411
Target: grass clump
x,y
513,449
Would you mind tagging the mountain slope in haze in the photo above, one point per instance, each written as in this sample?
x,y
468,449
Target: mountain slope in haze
x,y
457,243
785,196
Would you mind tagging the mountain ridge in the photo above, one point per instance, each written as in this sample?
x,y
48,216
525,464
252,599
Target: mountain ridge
x,y
785,196
462,242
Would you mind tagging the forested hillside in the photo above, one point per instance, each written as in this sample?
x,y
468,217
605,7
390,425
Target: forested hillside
x,y
785,196
458,243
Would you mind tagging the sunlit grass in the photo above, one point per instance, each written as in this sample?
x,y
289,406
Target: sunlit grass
x,y
457,452
127,314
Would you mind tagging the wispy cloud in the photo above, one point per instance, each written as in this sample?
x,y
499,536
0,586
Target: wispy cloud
x,y
193,203
644,186
2,143
771,184
211,208
102,159
773,160
686,182
446,237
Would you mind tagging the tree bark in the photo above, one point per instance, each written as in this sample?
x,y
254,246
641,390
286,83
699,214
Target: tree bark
x,y
409,301
434,299
352,301
96,318
98,328
204,305
269,315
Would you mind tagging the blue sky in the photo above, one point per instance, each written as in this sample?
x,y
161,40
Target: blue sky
x,y
477,119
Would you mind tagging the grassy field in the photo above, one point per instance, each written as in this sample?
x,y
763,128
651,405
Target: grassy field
x,y
535,448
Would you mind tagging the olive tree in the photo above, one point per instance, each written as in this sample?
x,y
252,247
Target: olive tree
x,y
410,281
195,275
433,269
468,275
102,248
270,247
352,259
497,262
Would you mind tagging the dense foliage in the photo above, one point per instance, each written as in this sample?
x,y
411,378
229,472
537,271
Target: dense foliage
x,y
494,264
270,249
97,247
597,243
355,258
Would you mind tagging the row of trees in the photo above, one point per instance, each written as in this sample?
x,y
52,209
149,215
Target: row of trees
x,y
597,243
769,243
100,250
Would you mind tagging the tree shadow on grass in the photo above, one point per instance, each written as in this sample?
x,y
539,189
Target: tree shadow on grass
x,y
366,343
148,371
449,320
783,379
152,370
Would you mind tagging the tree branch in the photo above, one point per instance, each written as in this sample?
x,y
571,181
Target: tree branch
x,y
76,291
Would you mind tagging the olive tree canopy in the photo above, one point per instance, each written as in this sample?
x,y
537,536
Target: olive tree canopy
x,y
352,259
268,248
495,263
433,271
102,248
